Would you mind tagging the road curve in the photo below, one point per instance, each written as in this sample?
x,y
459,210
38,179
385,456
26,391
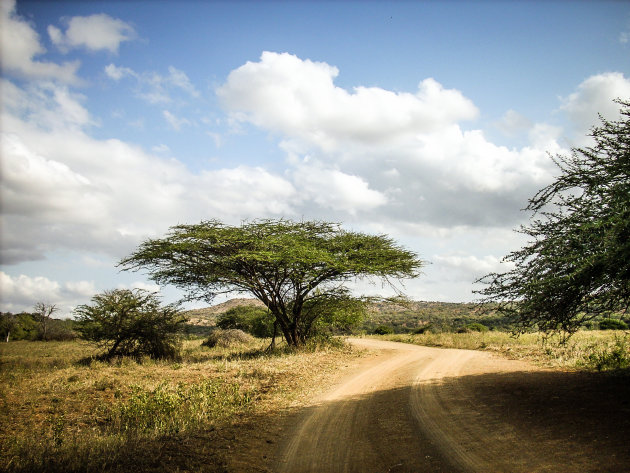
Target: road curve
x,y
419,409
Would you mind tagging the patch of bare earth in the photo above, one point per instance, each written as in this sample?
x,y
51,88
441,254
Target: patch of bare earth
x,y
406,408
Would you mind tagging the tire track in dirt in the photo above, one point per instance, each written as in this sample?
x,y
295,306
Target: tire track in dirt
x,y
409,408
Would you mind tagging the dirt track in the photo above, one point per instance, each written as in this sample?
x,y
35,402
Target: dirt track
x,y
408,408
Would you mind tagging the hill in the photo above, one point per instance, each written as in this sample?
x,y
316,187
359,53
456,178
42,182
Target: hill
x,y
401,318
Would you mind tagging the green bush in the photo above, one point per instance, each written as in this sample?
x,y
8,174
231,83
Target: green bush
x,y
383,330
615,358
476,327
131,323
254,320
613,324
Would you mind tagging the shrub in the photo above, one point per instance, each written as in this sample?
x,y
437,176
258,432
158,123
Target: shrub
x,y
612,324
383,330
131,323
227,338
615,358
253,320
476,327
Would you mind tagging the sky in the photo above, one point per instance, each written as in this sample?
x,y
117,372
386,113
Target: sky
x,y
430,122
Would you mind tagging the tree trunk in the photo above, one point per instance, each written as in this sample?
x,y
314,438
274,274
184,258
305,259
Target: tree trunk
x,y
272,345
8,335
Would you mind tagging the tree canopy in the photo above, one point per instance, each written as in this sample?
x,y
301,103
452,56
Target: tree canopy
x,y
576,265
288,265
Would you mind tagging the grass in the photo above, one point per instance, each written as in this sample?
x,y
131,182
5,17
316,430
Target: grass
x,y
592,349
59,412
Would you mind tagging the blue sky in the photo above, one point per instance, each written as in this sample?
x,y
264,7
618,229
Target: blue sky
x,y
428,121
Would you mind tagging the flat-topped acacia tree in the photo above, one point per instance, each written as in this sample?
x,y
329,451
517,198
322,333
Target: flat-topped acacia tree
x,y
288,265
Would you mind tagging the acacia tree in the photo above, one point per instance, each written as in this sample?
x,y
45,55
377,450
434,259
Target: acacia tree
x,y
577,265
287,265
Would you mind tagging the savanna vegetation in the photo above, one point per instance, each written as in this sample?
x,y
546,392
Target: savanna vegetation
x,y
576,266
64,409
296,269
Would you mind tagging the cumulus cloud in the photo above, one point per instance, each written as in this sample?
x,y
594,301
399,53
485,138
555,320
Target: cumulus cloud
x,y
94,32
595,96
298,98
20,47
402,157
63,189
334,189
22,292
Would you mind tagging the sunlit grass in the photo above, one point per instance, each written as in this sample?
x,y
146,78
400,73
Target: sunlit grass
x,y
552,351
62,411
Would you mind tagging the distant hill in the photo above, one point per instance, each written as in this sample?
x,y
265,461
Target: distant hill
x,y
400,317
207,316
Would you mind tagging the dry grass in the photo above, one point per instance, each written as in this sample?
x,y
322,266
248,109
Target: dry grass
x,y
59,412
581,351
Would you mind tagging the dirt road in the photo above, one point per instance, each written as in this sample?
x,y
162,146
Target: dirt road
x,y
417,409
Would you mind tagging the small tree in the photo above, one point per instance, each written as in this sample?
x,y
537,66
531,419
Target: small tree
x,y
44,312
131,323
287,265
577,264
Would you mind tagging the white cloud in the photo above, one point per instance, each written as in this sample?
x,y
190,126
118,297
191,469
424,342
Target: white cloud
x,y
468,267
179,79
331,188
153,87
22,292
512,123
175,122
595,96
63,189
298,98
94,32
117,73
397,156
20,46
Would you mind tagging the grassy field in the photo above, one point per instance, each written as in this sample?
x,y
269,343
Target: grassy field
x,y
62,411
588,349
59,411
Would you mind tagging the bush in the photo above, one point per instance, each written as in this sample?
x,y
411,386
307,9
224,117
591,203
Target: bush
x,y
476,327
613,324
615,358
253,320
383,330
131,323
227,338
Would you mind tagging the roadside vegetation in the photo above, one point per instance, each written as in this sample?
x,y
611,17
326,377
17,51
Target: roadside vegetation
x,y
600,350
61,409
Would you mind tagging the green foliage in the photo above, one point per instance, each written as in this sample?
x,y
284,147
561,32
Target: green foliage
x,y
131,323
476,327
615,358
287,265
612,324
383,330
436,317
165,410
576,266
253,320
26,326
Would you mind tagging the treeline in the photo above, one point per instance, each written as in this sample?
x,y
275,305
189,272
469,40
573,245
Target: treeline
x,y
34,326
420,317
